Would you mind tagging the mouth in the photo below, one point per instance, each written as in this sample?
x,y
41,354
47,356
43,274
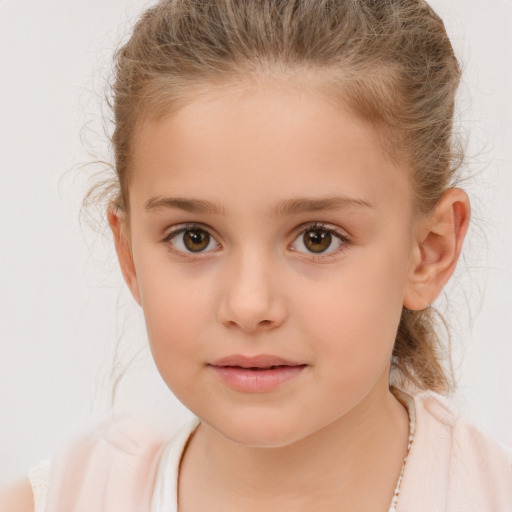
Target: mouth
x,y
256,374
258,362
265,369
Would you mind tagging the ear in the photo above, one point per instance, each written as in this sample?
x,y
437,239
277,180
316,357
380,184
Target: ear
x,y
117,221
437,249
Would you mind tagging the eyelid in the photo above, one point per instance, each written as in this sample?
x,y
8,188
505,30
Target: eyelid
x,y
188,226
322,226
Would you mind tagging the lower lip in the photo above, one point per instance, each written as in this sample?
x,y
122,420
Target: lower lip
x,y
256,381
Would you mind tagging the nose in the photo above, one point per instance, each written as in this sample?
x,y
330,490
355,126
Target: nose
x,y
252,299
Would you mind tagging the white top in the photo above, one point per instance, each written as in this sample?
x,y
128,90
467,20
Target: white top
x,y
165,494
39,477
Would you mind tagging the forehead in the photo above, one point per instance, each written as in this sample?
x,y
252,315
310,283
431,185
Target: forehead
x,y
265,144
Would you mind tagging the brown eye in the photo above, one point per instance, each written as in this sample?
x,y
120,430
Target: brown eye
x,y
317,240
320,240
191,240
196,241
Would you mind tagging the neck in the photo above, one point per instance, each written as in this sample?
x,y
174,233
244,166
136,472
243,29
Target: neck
x,y
331,469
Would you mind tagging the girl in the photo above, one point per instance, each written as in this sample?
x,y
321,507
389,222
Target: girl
x,y
284,212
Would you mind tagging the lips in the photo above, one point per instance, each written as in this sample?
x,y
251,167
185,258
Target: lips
x,y
256,374
262,361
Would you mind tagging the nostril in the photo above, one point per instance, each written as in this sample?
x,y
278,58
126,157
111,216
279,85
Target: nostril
x,y
260,324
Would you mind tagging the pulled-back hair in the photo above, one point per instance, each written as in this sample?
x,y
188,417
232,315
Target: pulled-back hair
x,y
390,61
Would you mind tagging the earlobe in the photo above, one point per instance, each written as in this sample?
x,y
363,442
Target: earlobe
x,y
117,224
437,249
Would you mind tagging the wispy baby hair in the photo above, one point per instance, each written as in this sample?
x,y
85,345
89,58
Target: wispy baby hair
x,y
390,62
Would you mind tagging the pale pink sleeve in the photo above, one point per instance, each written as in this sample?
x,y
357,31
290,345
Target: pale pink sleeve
x,y
111,470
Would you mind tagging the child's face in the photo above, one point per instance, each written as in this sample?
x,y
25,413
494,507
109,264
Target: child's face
x,y
247,177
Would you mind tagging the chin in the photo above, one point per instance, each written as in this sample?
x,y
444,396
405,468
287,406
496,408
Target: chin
x,y
257,430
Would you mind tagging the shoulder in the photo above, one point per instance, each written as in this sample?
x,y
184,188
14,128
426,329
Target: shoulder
x,y
476,465
17,498
441,410
452,466
99,468
117,454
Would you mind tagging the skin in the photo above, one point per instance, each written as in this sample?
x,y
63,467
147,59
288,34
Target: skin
x,y
323,439
17,498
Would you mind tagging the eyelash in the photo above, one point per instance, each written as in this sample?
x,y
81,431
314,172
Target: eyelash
x,y
183,229
318,226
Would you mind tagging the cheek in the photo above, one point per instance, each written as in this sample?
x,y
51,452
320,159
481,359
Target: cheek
x,y
356,316
176,311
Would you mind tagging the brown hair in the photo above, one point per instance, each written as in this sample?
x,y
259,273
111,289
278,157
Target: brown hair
x,y
390,61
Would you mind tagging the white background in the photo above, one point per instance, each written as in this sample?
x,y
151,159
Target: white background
x,y
62,303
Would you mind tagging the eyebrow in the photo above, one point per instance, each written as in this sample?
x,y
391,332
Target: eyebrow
x,y
187,205
307,205
282,209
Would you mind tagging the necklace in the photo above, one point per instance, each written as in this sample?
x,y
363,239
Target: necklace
x,y
409,404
